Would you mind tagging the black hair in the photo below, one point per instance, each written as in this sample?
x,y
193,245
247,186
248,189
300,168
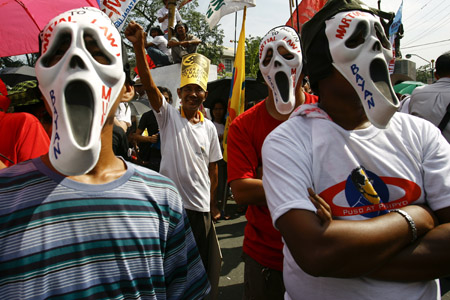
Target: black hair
x,y
126,65
157,29
443,65
224,115
181,24
163,89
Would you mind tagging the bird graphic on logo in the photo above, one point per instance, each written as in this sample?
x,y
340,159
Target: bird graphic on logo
x,y
367,194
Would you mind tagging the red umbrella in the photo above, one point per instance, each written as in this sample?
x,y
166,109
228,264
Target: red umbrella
x,y
22,20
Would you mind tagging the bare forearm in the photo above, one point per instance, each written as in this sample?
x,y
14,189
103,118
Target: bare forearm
x,y
347,248
248,191
142,139
213,177
426,259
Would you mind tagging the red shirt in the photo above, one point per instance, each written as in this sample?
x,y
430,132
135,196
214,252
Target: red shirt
x,y
22,137
246,135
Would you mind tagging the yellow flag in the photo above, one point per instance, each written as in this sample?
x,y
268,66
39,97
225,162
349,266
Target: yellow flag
x,y
236,99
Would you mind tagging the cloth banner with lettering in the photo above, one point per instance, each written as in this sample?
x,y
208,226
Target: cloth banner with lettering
x,y
304,12
236,99
118,10
219,8
393,29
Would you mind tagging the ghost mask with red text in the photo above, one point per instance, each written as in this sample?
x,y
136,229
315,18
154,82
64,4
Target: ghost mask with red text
x,y
80,74
281,74
361,52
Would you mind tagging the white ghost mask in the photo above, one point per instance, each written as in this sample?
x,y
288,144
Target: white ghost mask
x,y
80,74
361,52
280,73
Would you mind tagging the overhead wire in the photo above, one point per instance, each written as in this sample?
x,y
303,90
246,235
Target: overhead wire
x,y
437,24
409,17
424,20
424,33
426,44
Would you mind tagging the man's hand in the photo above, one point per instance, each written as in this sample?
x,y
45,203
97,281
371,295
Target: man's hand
x,y
135,34
153,138
323,209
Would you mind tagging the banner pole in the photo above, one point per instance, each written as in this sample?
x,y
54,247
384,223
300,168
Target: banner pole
x,y
291,4
235,28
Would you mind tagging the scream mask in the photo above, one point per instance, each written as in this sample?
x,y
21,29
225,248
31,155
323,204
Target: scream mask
x,y
281,71
80,74
360,52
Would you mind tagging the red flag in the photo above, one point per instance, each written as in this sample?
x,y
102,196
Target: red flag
x,y
306,10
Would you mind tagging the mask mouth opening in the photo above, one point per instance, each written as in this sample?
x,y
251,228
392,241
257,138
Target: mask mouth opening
x,y
380,76
282,82
80,111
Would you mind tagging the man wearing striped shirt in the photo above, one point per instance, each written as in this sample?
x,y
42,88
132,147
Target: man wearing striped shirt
x,y
81,223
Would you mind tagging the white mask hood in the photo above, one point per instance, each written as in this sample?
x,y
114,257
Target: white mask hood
x,y
80,74
282,72
361,52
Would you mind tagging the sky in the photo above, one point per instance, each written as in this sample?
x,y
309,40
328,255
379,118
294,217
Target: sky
x,y
426,24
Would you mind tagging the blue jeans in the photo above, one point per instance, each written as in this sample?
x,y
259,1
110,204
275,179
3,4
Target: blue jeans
x,y
159,58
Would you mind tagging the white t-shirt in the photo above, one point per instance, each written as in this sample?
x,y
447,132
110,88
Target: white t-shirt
x,y
164,11
161,42
123,113
405,162
187,149
430,102
219,127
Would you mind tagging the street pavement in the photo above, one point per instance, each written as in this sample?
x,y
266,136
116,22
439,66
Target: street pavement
x,y
231,235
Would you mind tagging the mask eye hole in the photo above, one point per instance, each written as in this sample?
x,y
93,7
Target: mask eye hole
x,y
268,57
382,37
96,52
60,48
358,37
285,53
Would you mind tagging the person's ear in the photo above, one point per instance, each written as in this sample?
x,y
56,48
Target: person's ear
x,y
179,93
206,96
128,94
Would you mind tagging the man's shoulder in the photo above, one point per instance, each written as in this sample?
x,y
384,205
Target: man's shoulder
x,y
159,39
150,177
250,113
442,85
162,10
21,117
22,172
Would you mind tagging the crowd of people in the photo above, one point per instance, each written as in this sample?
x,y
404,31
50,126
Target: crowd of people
x,y
347,198
163,50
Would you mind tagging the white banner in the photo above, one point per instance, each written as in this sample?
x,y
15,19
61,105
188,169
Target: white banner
x,y
118,10
219,8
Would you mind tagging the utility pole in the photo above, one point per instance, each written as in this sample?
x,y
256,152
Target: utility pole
x,y
172,4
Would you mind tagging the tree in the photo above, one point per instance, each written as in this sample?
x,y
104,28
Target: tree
x,y
251,56
212,40
18,60
145,14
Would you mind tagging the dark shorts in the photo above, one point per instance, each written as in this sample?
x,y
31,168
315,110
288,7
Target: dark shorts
x,y
201,228
261,283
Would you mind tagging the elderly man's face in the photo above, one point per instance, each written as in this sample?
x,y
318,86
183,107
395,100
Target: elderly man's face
x,y
192,96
